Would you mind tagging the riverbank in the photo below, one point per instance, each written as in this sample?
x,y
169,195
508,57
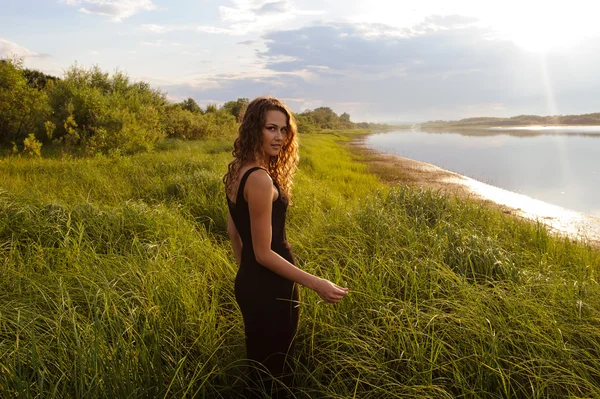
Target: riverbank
x,y
395,169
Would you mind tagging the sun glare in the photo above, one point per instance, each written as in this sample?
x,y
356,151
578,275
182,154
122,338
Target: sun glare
x,y
533,25
542,37
545,26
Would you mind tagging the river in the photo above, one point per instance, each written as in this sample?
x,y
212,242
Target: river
x,y
556,165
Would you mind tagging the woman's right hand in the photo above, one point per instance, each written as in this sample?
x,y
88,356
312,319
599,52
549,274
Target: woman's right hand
x,y
329,291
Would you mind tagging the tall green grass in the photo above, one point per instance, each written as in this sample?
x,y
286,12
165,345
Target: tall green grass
x,y
117,281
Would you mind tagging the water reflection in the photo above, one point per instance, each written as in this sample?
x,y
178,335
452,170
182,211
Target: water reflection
x,y
523,131
575,224
557,165
570,130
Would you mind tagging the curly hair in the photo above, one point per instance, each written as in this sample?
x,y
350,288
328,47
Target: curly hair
x,y
247,146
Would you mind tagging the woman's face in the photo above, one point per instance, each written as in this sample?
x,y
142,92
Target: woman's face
x,y
274,133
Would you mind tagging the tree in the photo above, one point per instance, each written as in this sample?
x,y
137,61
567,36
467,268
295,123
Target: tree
x,y
325,117
306,123
236,108
23,107
191,105
37,79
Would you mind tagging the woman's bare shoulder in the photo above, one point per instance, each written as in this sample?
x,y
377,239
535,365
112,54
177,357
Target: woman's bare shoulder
x,y
257,182
259,178
237,178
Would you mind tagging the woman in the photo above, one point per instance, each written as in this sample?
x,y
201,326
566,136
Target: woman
x,y
258,186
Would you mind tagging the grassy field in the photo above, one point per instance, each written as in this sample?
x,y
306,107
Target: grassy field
x,y
117,281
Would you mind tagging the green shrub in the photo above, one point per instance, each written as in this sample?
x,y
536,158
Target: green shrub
x,y
184,124
22,107
236,108
32,147
105,114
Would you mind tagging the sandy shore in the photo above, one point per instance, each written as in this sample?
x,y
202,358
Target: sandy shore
x,y
396,169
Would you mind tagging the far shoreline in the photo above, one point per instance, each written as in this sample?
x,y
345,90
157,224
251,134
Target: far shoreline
x,y
394,169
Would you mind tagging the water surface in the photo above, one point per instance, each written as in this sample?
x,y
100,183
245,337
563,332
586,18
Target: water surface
x,y
558,165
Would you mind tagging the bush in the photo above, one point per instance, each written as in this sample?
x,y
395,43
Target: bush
x,y
184,124
236,108
105,114
32,147
127,132
23,108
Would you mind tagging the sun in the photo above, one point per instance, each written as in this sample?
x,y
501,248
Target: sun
x,y
541,36
540,39
547,26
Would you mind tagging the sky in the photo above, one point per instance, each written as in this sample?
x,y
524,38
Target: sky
x,y
378,60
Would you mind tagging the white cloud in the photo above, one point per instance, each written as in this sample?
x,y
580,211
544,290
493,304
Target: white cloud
x,y
213,29
446,67
159,43
40,61
248,16
117,10
236,14
160,29
8,49
156,28
192,53
275,7
532,24
251,10
244,17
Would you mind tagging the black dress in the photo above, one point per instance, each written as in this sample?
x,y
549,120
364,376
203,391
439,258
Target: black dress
x,y
269,302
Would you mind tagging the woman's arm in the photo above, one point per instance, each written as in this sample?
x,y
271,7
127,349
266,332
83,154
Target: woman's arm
x,y
236,241
259,190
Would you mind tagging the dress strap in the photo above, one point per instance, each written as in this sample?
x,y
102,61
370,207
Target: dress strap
x,y
243,182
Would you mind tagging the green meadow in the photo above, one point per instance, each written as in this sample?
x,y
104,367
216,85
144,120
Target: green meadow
x,y
117,278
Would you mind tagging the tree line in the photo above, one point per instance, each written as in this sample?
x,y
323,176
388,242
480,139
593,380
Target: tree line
x,y
88,111
520,120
